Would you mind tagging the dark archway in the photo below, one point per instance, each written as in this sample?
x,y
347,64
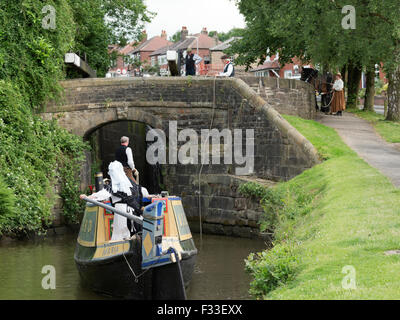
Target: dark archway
x,y
105,139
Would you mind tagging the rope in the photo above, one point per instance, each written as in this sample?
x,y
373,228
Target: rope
x,y
134,275
329,102
202,164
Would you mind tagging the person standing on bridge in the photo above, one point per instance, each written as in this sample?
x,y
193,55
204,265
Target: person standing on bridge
x,y
229,69
124,155
191,61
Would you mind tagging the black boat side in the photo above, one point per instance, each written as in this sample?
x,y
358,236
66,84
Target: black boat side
x,y
114,268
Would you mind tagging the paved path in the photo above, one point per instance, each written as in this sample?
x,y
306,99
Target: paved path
x,y
359,135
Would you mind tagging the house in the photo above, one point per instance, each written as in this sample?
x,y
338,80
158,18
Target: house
x,y
146,48
135,51
200,44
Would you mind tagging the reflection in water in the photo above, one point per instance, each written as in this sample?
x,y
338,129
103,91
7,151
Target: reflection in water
x,y
219,272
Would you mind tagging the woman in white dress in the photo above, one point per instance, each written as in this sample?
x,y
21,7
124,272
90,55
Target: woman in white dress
x,y
120,193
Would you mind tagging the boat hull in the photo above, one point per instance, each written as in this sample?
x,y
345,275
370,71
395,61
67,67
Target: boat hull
x,y
112,276
114,267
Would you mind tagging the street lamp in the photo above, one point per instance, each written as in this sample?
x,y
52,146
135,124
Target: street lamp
x,y
197,42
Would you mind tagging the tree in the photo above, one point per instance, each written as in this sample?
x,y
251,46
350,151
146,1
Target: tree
x,y
103,22
320,33
175,37
370,88
223,36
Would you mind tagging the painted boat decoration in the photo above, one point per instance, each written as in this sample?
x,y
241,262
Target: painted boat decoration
x,y
156,263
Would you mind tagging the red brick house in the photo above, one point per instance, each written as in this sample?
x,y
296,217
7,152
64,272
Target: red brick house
x,y
135,50
144,50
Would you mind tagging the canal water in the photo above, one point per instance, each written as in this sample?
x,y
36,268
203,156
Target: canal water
x,y
219,273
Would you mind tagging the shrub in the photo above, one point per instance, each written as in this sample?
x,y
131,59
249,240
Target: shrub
x,y
7,205
282,204
271,268
31,150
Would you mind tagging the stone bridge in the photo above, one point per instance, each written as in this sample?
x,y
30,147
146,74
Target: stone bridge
x,y
209,191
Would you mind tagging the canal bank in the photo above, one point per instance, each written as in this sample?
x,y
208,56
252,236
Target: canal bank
x,y
342,243
219,273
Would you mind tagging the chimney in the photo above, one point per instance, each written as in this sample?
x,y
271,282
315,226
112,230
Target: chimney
x,y
164,34
184,33
144,36
204,31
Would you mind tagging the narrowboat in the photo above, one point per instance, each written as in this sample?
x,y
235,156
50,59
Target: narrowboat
x,y
155,263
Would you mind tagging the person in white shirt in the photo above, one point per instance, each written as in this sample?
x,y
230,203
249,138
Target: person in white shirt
x,y
124,155
338,101
229,70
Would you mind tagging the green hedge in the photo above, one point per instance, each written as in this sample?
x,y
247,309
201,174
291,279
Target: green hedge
x,y
34,154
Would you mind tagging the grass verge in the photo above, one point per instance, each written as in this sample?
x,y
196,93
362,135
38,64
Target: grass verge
x,y
348,216
388,130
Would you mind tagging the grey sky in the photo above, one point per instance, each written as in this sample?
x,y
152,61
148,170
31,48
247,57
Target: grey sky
x,y
220,15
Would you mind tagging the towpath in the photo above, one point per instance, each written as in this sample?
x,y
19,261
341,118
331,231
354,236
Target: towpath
x,y
360,135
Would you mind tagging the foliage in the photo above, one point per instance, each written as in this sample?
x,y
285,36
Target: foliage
x,y
7,204
271,268
379,86
103,22
252,190
223,36
30,151
176,37
29,54
152,69
34,154
316,34
282,204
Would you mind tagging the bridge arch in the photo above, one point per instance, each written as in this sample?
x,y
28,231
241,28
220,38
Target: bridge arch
x,y
280,151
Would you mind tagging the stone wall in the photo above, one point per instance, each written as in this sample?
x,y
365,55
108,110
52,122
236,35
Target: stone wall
x,y
287,96
280,152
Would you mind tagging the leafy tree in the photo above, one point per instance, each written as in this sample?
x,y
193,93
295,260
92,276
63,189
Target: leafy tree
x,y
36,154
315,34
176,36
102,22
223,36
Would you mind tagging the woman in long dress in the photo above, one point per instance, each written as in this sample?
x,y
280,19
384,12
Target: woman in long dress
x,y
338,102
